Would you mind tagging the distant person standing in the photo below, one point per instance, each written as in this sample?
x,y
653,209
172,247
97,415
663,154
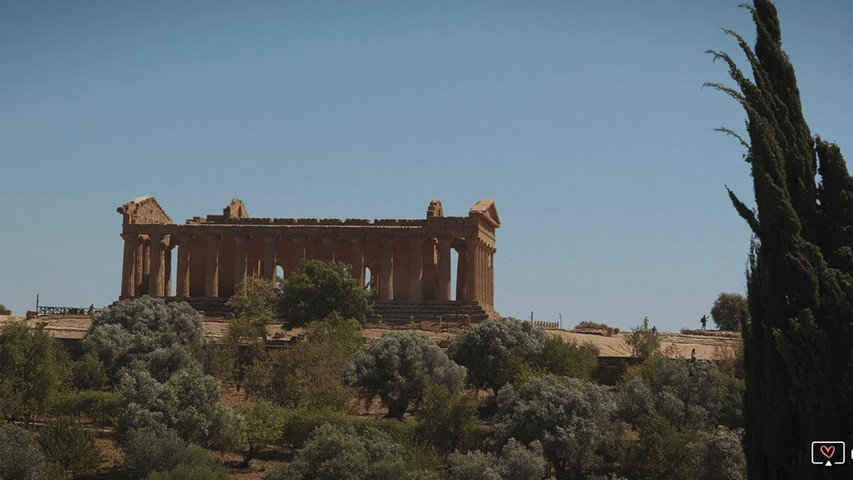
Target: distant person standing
x,y
655,329
646,323
704,321
693,355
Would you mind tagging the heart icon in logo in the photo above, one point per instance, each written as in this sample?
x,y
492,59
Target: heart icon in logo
x,y
827,450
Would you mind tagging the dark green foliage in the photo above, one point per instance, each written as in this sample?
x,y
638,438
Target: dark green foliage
x,y
573,420
310,373
88,373
263,425
686,414
334,453
317,290
447,419
34,370
156,448
568,359
495,351
730,312
644,343
244,346
799,364
661,453
21,458
516,462
70,446
100,407
664,452
398,366
254,303
191,472
689,395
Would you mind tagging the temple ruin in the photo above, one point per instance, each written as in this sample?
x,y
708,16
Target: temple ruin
x,y
406,263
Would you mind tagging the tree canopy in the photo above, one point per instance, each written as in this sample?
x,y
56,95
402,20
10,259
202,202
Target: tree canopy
x,y
320,288
398,367
730,312
798,361
493,350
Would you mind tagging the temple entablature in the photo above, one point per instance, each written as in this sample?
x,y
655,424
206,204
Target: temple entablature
x,y
406,260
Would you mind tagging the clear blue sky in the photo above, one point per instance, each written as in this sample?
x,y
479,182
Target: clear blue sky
x,y
585,121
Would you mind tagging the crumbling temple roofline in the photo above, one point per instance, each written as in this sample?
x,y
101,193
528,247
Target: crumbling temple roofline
x,y
406,260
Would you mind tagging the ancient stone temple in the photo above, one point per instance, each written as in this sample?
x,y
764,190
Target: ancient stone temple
x,y
408,264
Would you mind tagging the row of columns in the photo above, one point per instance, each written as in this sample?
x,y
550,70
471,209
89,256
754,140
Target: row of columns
x,y
147,265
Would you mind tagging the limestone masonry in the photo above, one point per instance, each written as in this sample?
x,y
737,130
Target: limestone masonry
x,y
402,261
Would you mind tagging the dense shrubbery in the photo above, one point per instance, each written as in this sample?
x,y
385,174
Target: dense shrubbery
x,y
310,373
69,446
572,418
515,462
35,372
495,351
145,345
668,418
644,343
317,290
21,457
335,452
156,448
398,366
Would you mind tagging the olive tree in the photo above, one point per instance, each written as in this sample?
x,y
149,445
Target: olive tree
x,y
21,458
493,350
335,452
144,344
515,462
398,366
573,420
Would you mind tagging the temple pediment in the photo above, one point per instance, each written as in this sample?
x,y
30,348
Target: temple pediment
x,y
144,211
486,207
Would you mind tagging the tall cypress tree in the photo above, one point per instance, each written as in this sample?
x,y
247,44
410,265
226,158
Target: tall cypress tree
x,y
799,345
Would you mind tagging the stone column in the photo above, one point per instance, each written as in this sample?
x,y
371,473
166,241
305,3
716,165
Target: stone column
x,y
482,267
471,271
328,253
138,267
492,277
211,286
269,257
183,266
429,273
386,270
128,274
444,269
146,266
357,260
298,253
462,260
240,253
416,269
167,266
155,278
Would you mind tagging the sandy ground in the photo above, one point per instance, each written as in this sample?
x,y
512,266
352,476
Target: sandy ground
x,y
708,345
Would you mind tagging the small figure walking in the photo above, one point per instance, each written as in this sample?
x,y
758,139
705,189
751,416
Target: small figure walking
x,y
646,323
704,321
693,356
